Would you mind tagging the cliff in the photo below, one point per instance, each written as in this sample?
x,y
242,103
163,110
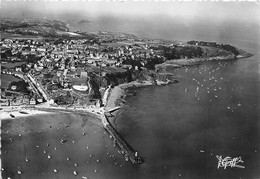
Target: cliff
x,y
208,52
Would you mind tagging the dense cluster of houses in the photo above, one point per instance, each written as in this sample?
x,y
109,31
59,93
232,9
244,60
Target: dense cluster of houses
x,y
76,52
68,60
18,100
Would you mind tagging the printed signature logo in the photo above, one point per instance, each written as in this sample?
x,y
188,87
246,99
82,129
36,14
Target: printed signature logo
x,y
229,162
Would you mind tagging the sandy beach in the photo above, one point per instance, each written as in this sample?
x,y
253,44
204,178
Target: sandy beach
x,y
118,92
17,113
116,96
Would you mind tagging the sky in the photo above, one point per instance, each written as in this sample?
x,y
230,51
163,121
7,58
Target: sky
x,y
188,10
174,20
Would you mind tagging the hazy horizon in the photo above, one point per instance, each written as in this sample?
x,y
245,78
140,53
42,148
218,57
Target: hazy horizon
x,y
213,21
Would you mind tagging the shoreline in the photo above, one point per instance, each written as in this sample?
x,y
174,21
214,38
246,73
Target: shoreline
x,y
118,92
116,96
43,109
40,136
11,114
178,63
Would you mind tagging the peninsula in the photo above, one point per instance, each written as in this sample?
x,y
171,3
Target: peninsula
x,y
45,66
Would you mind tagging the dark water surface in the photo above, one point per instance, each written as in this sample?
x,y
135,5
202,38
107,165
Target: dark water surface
x,y
38,151
179,129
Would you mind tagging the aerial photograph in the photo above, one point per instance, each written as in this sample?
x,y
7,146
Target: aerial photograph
x,y
129,89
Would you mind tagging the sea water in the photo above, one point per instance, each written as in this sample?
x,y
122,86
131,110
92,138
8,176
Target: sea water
x,y
180,128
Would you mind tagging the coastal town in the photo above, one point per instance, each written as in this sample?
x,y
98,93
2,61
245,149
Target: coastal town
x,y
77,71
88,73
72,75
67,70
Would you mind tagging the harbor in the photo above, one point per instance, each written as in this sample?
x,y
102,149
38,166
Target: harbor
x,y
129,91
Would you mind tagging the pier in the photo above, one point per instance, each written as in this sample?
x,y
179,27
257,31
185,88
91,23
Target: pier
x,y
125,148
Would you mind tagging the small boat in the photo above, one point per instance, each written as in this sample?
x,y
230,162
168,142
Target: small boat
x,y
23,112
12,115
63,141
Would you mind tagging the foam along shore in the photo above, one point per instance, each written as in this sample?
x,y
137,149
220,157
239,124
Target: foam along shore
x,y
91,109
16,113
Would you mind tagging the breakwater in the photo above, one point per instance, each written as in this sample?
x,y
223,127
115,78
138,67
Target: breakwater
x,y
125,148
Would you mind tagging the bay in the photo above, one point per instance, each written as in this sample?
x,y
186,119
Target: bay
x,y
179,129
